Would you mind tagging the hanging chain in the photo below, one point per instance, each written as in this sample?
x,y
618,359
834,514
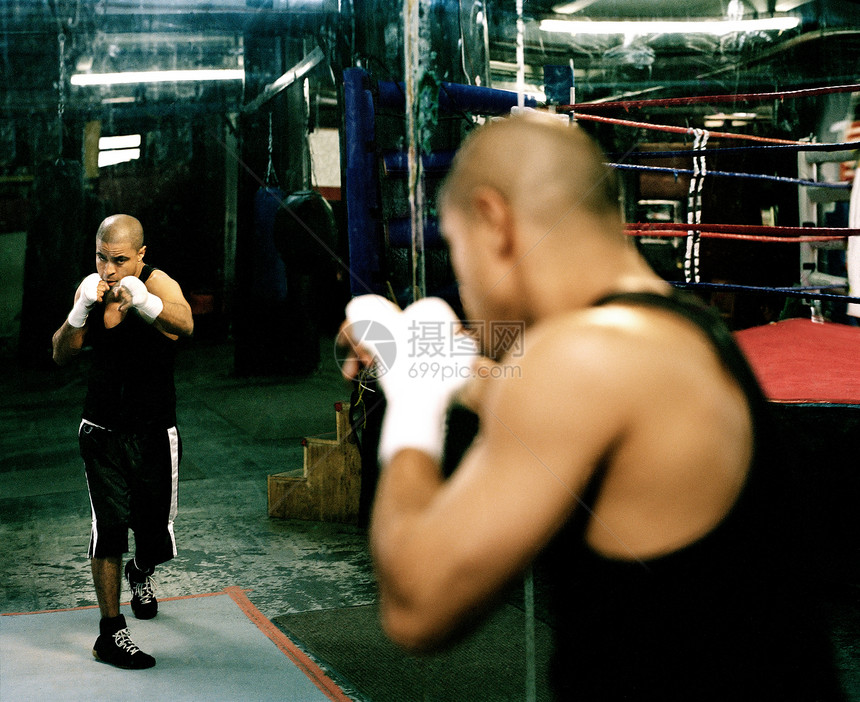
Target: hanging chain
x,y
271,176
61,90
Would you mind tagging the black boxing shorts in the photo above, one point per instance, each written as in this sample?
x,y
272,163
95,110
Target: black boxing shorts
x,y
133,480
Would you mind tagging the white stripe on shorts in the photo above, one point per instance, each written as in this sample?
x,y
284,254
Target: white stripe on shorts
x,y
173,437
94,535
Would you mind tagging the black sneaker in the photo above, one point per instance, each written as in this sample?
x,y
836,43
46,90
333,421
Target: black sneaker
x,y
119,650
143,602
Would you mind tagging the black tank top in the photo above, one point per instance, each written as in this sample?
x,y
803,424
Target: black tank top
x,y
725,618
131,384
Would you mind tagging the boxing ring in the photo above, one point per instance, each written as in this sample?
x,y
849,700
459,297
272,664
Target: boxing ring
x,y
799,360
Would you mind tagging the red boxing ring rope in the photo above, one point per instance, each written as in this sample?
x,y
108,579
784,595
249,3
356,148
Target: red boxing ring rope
x,y
742,232
739,237
708,99
683,130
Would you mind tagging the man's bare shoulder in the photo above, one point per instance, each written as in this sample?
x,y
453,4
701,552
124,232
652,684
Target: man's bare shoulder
x,y
591,338
617,334
158,276
611,357
574,368
161,284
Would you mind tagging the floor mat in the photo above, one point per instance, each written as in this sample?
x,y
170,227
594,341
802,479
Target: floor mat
x,y
489,665
207,647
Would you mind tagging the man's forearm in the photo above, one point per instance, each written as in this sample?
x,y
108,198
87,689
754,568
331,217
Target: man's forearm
x,y
176,319
411,542
67,342
407,488
407,484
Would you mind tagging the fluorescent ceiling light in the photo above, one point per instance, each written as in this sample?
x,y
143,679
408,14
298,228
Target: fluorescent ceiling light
x,y
127,141
733,115
735,119
157,76
717,27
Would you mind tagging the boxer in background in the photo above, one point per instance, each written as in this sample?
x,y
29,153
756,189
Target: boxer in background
x,y
131,314
630,456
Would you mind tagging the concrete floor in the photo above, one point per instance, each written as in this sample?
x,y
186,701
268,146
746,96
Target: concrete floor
x,y
235,432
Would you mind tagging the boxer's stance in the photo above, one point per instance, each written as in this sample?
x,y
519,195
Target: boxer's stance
x,y
627,448
131,315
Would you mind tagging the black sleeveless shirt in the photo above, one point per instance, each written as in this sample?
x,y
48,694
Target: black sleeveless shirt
x,y
131,385
725,618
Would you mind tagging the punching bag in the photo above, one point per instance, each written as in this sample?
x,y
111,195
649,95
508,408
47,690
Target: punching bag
x,y
262,334
305,235
268,276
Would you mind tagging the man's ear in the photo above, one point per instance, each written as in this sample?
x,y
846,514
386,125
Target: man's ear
x,y
495,214
141,252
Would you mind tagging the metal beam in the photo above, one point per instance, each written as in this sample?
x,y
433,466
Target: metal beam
x,y
300,70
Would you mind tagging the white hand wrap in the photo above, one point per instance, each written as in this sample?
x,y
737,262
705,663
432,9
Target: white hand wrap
x,y
89,294
148,306
422,359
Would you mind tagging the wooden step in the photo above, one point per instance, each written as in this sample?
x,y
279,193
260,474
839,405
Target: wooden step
x,y
329,486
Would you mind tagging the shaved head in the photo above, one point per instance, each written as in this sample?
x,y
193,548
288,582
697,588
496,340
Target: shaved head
x,y
545,168
121,228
